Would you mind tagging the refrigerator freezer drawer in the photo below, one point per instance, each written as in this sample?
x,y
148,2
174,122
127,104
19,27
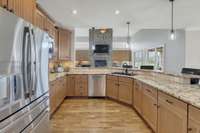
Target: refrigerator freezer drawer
x,y
39,125
22,122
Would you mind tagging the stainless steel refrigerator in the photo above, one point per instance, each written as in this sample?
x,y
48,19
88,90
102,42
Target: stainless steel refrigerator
x,y
24,96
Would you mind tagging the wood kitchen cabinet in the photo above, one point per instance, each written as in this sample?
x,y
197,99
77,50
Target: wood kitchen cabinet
x,y
172,114
81,85
40,19
137,98
52,96
50,27
29,7
21,8
57,93
194,120
64,44
125,90
55,50
3,3
149,106
112,88
43,22
70,85
16,7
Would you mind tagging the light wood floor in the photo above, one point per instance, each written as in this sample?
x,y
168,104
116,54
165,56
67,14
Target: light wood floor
x,y
96,116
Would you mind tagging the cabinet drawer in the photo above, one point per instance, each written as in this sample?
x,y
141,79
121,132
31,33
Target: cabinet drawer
x,y
127,80
149,90
82,78
173,103
111,77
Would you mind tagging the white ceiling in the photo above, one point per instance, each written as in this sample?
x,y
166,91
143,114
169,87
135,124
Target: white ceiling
x,y
151,14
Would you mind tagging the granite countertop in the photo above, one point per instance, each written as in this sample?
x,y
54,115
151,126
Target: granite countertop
x,y
55,76
185,92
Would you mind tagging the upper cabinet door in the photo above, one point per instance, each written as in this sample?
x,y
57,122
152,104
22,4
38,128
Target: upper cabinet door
x,y
55,51
21,8
49,27
16,7
29,7
40,19
64,44
3,3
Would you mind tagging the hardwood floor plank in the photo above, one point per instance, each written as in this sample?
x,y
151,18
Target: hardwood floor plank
x,y
96,116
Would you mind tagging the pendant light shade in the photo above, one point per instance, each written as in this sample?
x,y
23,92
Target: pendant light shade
x,y
172,31
128,35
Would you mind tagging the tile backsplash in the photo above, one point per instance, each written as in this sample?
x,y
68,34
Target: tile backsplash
x,y
66,65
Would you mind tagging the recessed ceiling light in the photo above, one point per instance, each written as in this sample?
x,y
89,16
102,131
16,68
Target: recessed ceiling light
x,y
74,12
117,12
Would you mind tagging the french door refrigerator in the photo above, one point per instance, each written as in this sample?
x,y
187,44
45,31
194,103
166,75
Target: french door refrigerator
x,y
24,97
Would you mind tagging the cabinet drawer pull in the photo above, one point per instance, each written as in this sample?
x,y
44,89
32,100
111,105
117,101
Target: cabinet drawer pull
x,y
11,10
170,102
149,90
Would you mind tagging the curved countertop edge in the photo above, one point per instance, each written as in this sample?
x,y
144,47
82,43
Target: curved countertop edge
x,y
189,94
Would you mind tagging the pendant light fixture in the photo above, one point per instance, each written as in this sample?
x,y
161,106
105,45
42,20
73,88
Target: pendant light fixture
x,y
172,31
128,35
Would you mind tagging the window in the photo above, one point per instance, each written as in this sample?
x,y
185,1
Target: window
x,y
149,57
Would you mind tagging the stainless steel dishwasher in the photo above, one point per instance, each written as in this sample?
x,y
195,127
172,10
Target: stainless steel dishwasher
x,y
97,85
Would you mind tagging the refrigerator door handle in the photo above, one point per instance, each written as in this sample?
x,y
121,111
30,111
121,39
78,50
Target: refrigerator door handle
x,y
25,62
34,63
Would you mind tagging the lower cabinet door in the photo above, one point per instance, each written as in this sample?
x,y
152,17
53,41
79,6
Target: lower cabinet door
x,y
112,89
125,92
149,110
52,99
172,115
194,120
138,96
71,85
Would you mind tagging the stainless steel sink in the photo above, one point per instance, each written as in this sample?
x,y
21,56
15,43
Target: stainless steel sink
x,y
123,73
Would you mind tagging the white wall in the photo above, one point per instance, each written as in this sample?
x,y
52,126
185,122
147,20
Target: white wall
x,y
193,49
174,59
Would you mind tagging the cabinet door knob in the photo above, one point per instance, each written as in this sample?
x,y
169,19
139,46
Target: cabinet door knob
x,y
5,7
11,10
189,129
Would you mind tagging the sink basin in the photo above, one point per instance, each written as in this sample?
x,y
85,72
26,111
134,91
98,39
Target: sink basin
x,y
123,73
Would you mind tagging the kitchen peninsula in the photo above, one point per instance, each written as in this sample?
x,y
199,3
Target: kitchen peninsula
x,y
153,95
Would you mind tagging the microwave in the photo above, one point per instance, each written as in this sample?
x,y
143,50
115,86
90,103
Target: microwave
x,y
101,48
